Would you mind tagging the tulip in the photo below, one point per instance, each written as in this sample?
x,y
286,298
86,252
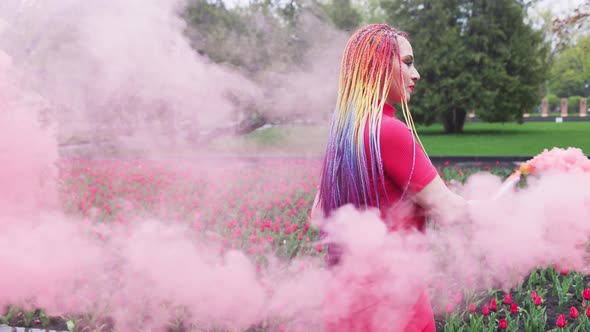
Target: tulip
x,y
534,294
513,308
574,313
485,311
586,294
502,324
493,305
471,307
538,301
561,323
507,299
588,312
450,308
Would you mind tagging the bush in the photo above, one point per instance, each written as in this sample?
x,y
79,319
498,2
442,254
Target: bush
x,y
573,104
554,102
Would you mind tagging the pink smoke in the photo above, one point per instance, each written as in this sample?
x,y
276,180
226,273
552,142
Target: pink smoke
x,y
148,272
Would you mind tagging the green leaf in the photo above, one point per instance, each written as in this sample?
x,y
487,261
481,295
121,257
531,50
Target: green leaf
x,y
10,315
28,317
44,319
579,285
71,326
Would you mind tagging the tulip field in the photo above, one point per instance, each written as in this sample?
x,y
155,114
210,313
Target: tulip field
x,y
261,206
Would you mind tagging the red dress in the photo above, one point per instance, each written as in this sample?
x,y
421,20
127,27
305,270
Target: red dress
x,y
405,167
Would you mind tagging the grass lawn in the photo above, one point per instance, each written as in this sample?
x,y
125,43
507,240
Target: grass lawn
x,y
479,139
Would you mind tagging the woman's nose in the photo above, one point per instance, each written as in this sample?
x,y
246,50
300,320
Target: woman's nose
x,y
415,75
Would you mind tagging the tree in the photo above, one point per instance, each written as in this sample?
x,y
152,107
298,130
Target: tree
x,y
343,15
252,38
570,73
440,56
264,36
472,55
511,56
370,11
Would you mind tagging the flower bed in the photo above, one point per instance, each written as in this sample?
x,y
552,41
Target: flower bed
x,y
262,209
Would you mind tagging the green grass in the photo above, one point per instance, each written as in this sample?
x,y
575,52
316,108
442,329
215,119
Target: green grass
x,y
478,139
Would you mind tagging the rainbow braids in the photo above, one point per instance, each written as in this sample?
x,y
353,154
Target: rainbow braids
x,y
366,74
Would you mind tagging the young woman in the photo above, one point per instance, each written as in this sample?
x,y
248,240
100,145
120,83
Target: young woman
x,y
373,159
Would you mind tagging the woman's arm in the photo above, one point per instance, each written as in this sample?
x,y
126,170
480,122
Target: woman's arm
x,y
446,206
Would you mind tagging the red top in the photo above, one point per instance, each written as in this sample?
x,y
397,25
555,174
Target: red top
x,y
396,154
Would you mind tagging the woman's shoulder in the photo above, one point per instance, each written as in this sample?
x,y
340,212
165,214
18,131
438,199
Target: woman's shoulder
x,y
392,127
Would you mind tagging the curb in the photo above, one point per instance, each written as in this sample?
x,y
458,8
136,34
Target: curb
x,y
571,118
6,328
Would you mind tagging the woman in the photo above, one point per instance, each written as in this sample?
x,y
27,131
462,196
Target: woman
x,y
375,160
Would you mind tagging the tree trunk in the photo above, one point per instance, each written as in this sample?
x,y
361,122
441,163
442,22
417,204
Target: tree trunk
x,y
453,120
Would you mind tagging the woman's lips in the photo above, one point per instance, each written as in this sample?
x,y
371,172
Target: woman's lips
x,y
411,88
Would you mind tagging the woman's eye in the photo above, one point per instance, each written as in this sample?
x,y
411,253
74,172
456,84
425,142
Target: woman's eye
x,y
409,63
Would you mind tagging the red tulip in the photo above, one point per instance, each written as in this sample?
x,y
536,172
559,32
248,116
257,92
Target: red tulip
x,y
507,299
502,324
561,321
485,311
538,301
534,294
450,308
513,308
493,305
574,313
588,312
471,307
586,294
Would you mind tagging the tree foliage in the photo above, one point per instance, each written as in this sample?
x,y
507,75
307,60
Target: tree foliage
x,y
472,55
253,38
570,73
343,14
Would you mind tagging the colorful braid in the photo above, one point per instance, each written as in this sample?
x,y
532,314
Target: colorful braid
x,y
366,72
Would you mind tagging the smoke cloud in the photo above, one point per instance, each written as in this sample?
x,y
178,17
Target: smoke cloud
x,y
118,67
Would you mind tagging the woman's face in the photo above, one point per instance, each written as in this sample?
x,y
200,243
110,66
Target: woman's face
x,y
409,74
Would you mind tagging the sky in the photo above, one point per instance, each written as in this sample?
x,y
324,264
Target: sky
x,y
559,6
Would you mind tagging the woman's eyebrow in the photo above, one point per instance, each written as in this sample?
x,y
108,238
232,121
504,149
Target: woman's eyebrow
x,y
408,57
